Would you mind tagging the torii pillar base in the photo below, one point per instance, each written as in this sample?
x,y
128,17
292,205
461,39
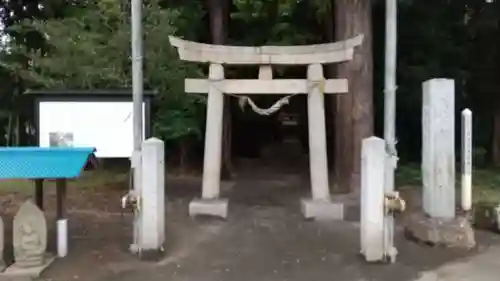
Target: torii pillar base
x,y
322,210
209,207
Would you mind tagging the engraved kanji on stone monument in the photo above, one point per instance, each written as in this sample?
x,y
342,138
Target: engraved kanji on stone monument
x,y
29,236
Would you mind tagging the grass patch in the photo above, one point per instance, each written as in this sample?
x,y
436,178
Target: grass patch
x,y
486,185
88,179
485,181
408,175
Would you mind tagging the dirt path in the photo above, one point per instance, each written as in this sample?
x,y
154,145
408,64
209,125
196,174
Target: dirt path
x,y
265,238
269,243
483,267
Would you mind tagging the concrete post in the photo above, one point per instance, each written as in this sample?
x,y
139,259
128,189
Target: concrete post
x,y
466,191
320,207
438,148
317,135
372,199
213,136
210,204
152,198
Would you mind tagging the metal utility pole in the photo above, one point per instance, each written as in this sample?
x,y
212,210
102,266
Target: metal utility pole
x,y
390,92
137,98
390,119
137,75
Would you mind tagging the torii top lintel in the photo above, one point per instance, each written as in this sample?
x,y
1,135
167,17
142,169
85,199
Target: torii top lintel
x,y
267,55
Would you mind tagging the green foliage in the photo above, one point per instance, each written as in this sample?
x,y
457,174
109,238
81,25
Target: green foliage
x,y
285,22
178,123
88,46
91,49
432,43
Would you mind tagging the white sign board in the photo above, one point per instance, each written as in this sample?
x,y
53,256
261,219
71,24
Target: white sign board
x,y
107,126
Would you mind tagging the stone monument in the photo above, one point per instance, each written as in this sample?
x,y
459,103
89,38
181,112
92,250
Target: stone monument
x,y
439,223
29,242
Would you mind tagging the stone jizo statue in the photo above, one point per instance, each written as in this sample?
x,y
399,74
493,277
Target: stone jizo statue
x,y
30,236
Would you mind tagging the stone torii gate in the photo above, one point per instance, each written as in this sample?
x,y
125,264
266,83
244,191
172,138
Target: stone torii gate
x,y
320,206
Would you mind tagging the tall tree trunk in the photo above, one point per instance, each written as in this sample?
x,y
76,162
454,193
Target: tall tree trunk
x,y
354,112
219,11
493,86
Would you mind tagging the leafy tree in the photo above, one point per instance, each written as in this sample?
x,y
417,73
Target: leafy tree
x,y
12,109
483,22
90,49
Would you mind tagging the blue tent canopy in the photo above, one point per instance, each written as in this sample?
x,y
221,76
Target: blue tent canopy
x,y
43,163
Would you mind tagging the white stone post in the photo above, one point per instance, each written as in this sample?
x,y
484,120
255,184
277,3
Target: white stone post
x,y
438,148
466,191
152,197
373,157
317,135
320,207
210,204
62,237
213,136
